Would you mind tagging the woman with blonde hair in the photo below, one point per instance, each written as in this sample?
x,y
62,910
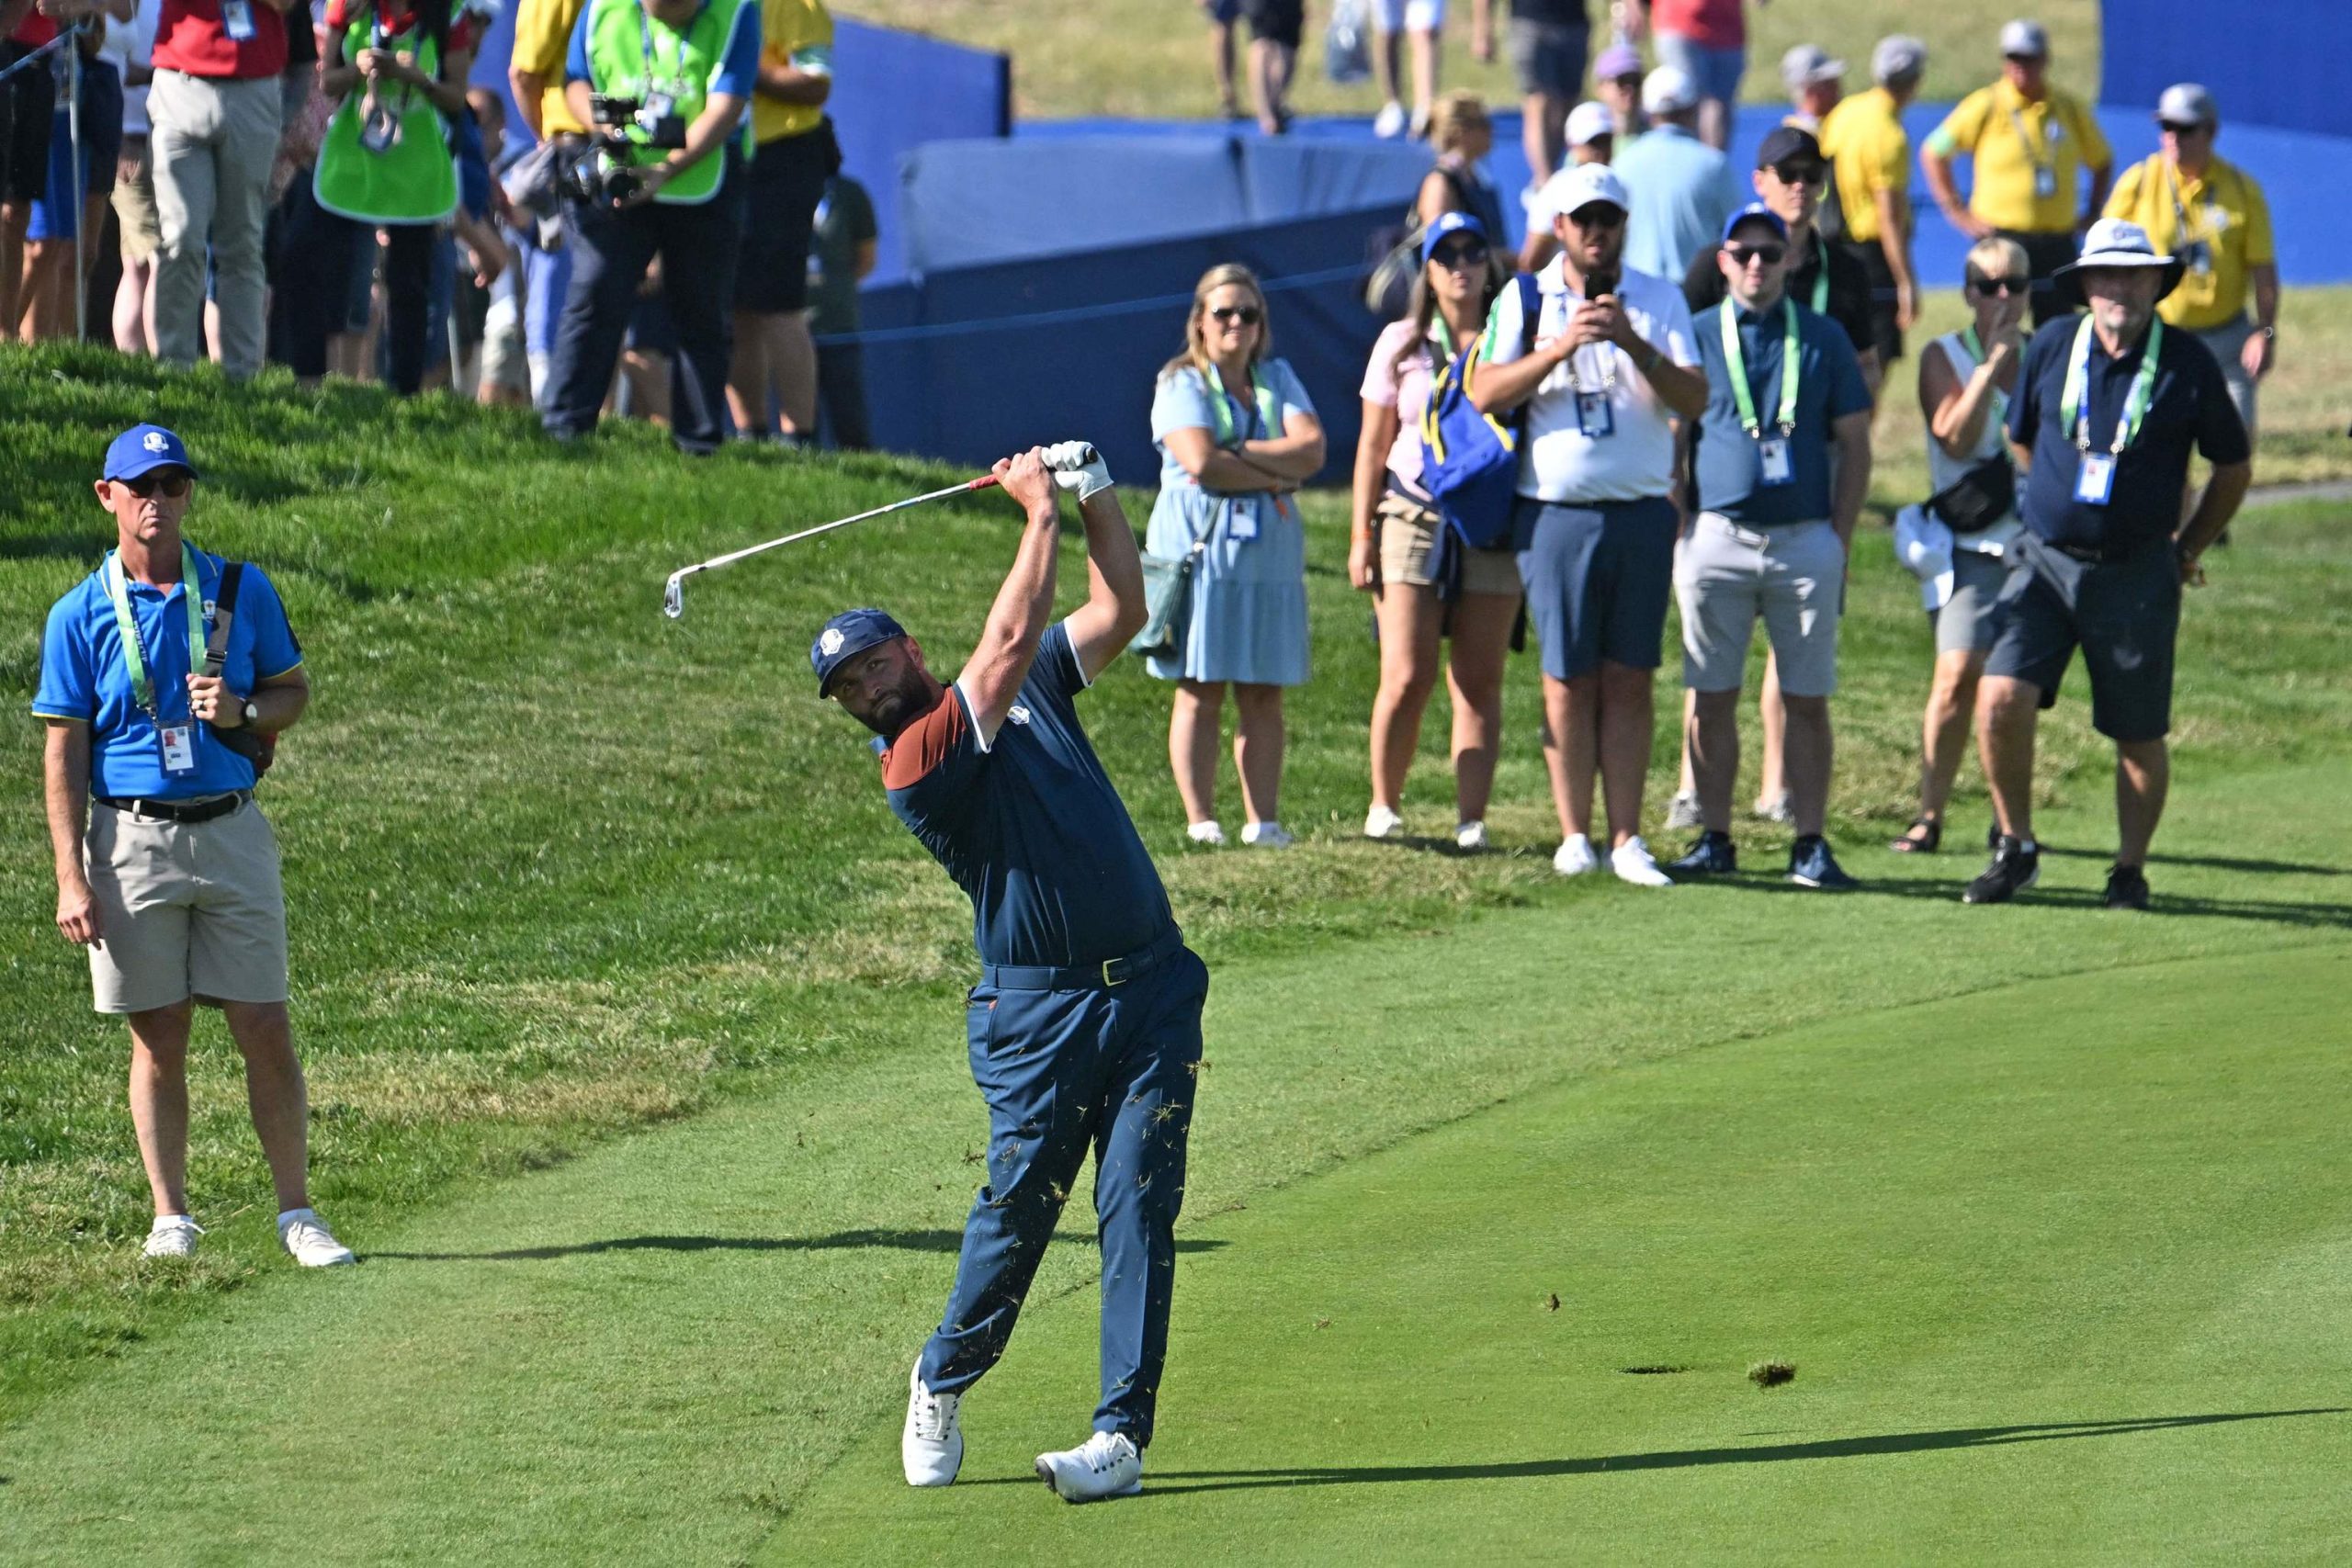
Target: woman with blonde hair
x,y
1460,134
1393,551
1236,436
1966,379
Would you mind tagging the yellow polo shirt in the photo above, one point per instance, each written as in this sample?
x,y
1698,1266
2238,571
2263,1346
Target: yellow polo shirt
x,y
542,38
2226,214
1869,151
798,33
2010,139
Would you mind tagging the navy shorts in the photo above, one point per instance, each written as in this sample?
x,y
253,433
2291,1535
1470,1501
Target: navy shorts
x,y
787,180
2124,616
1597,580
27,101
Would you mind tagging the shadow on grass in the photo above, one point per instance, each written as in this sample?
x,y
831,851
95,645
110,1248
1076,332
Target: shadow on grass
x,y
2217,862
903,1241
2311,915
1682,1458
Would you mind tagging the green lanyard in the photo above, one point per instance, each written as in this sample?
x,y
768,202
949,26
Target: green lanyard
x,y
1737,360
1221,406
2071,414
1821,279
142,686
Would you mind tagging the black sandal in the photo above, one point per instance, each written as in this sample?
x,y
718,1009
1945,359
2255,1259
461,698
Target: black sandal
x,y
1934,839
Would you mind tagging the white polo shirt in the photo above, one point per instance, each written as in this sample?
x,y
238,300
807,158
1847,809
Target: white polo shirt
x,y
1557,461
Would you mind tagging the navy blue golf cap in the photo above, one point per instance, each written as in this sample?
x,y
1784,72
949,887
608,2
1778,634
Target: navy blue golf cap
x,y
142,450
1755,212
846,635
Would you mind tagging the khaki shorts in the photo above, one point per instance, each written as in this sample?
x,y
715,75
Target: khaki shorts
x,y
134,202
1792,574
1406,534
185,910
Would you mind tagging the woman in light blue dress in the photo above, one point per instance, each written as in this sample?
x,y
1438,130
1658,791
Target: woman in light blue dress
x,y
1237,438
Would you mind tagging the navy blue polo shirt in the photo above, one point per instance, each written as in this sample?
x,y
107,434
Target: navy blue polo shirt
x,y
1726,470
2190,407
83,676
1029,826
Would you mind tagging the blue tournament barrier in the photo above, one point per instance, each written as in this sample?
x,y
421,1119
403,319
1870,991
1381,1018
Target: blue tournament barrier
x,y
2279,64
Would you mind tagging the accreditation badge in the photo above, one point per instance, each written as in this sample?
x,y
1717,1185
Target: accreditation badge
x,y
2095,482
2045,182
237,21
179,746
1596,417
1773,453
1242,524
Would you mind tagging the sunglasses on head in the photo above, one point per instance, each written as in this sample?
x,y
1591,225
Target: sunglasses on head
x,y
1459,253
1597,215
1769,255
2004,286
173,484
1237,315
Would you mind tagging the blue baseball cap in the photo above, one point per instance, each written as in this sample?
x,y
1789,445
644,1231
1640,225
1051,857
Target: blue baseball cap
x,y
1449,224
142,450
845,636
1755,212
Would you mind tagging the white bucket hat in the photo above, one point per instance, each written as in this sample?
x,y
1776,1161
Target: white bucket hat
x,y
2113,243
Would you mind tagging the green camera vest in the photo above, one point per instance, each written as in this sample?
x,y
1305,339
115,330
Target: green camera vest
x,y
412,181
632,52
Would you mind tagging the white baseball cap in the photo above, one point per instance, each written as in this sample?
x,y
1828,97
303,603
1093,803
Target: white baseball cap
x,y
1578,186
2185,102
1668,90
1589,122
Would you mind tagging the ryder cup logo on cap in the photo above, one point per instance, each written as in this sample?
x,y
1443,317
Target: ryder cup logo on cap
x,y
1580,185
845,636
1449,224
142,450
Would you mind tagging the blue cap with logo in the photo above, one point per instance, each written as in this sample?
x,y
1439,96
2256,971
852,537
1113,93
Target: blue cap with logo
x,y
1449,224
142,450
845,636
1755,212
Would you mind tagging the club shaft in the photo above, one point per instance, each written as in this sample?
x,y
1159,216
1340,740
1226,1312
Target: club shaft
x,y
983,482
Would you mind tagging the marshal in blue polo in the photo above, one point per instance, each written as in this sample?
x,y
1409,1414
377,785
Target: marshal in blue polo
x,y
1085,1029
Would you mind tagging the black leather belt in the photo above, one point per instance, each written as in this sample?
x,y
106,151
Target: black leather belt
x,y
1085,977
2099,558
181,811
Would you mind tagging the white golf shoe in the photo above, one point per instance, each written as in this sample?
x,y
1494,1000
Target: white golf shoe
x,y
1382,823
1575,856
1390,122
1107,1465
1470,835
173,1236
931,1448
1267,836
1207,833
1632,862
306,1237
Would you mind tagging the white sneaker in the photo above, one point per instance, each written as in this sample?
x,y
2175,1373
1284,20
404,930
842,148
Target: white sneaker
x,y
306,1239
1632,862
1470,835
1207,833
1382,823
1575,856
1107,1465
1267,836
173,1236
931,1449
1389,123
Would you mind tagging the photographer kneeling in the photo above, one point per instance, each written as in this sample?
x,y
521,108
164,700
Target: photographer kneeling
x,y
663,84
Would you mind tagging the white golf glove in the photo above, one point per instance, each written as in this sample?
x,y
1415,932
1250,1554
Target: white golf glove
x,y
1077,466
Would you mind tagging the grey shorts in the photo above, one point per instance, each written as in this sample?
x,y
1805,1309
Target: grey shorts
x,y
1971,618
1547,58
2227,343
2124,616
1792,574
185,910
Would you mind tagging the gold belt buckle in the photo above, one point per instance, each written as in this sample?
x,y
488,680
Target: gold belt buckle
x,y
1110,979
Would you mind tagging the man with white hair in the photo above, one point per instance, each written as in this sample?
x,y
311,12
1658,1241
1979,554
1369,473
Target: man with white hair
x,y
1816,82
2108,406
1681,188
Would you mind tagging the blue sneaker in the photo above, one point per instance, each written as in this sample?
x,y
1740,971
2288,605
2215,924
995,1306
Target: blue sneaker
x,y
1711,856
1812,865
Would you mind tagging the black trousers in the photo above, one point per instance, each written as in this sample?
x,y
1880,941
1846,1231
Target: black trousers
x,y
611,249
840,396
315,277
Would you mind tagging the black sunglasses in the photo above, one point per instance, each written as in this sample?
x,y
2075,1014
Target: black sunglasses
x,y
1805,173
1597,215
1247,315
1461,253
2003,285
2178,130
173,484
1770,255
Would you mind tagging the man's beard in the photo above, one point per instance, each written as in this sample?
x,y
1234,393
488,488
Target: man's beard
x,y
900,705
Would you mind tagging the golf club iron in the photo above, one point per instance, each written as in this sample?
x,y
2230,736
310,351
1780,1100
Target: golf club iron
x,y
673,595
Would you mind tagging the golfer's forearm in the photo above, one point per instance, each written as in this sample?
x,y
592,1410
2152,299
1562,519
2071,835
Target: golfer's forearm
x,y
1024,605
2223,493
65,792
1114,568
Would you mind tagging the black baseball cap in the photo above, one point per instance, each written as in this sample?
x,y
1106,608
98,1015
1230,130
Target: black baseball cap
x,y
1790,144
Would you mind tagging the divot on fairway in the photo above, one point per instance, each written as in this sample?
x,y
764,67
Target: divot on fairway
x,y
1772,1374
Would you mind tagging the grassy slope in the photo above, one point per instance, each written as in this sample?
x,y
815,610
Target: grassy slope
x,y
559,867
662,1350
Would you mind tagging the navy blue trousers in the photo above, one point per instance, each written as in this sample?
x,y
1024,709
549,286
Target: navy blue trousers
x,y
1112,1070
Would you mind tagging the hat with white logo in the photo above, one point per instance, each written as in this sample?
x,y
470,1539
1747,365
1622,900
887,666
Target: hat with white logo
x,y
2113,243
846,635
142,450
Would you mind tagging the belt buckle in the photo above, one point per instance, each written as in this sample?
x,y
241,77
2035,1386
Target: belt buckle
x,y
1110,979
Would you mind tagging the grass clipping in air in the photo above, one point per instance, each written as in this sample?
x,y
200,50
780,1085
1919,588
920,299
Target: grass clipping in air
x,y
1772,1374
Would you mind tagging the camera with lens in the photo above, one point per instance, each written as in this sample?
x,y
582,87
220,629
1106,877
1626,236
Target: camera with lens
x,y
655,116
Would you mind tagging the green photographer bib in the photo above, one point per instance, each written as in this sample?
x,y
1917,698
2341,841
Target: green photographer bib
x,y
632,53
411,180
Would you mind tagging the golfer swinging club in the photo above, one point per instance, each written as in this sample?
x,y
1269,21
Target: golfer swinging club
x,y
1085,1028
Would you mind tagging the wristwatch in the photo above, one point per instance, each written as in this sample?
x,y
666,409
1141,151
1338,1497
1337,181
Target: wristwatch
x,y
249,710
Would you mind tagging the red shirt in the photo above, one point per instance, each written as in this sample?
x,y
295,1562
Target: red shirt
x,y
34,30
1710,23
465,27
190,39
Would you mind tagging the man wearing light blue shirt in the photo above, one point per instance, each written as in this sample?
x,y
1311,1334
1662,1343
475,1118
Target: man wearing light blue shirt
x,y
1682,189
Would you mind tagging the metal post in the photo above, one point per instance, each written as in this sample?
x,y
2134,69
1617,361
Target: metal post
x,y
81,185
